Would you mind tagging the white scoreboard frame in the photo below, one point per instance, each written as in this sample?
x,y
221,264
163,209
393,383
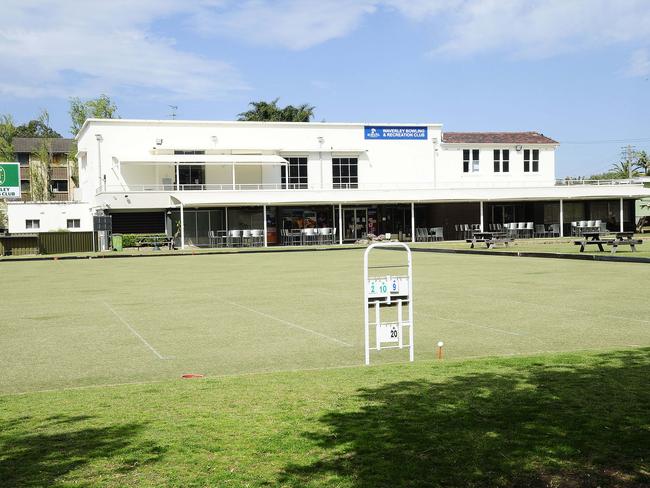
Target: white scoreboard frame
x,y
388,291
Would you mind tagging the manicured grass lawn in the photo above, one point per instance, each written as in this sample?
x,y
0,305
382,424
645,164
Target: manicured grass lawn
x,y
555,245
285,400
551,420
87,322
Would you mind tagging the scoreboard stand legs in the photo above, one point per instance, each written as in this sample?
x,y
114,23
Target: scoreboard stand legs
x,y
388,292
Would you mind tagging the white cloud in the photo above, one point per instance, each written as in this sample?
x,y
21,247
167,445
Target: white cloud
x,y
65,48
639,64
75,47
525,28
517,28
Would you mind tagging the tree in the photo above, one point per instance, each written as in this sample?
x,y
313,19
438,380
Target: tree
x,y
36,128
643,162
7,133
269,111
623,170
40,168
101,107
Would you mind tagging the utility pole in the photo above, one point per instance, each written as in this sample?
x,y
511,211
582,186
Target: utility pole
x,y
629,154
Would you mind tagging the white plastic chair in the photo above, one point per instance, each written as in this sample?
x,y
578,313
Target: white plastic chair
x,y
256,237
234,238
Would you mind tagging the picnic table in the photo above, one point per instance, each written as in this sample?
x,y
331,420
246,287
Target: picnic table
x,y
490,239
593,238
155,241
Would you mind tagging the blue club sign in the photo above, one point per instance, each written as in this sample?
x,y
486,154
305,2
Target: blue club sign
x,y
383,132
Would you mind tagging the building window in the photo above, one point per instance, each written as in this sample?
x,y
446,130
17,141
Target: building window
x,y
470,164
32,224
23,159
345,173
24,186
531,160
189,151
73,223
501,160
297,173
59,186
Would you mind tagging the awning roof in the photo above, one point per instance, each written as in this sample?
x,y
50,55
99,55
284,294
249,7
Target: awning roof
x,y
217,159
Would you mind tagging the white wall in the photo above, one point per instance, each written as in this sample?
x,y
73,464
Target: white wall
x,y
53,216
383,164
450,168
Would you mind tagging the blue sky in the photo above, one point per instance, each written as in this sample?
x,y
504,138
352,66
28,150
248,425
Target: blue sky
x,y
576,70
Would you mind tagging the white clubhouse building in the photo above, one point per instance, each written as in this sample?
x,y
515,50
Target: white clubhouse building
x,y
150,175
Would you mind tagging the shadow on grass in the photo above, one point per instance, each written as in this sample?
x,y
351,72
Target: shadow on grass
x,y
528,425
38,453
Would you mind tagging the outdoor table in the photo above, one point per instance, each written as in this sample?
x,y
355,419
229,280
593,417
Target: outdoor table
x,y
591,238
489,238
625,239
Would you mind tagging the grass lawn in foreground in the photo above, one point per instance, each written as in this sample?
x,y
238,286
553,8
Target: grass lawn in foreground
x,y
89,322
550,420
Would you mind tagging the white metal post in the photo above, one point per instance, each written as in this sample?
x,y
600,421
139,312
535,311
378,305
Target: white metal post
x,y
340,224
411,319
482,224
178,180
561,218
412,221
233,176
182,227
375,303
621,214
226,220
266,243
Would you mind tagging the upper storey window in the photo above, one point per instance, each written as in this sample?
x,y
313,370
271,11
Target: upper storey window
x,y
189,151
501,160
297,173
531,160
345,173
470,160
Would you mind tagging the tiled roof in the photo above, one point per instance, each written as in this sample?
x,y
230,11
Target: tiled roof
x,y
496,138
30,144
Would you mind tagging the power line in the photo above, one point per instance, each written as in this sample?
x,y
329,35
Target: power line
x,y
608,141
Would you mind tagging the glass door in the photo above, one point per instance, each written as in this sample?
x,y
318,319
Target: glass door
x,y
355,223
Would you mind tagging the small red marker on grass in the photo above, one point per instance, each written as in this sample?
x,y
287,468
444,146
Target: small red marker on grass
x,y
191,375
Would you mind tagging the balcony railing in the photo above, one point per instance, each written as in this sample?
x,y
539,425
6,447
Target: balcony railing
x,y
258,187
579,182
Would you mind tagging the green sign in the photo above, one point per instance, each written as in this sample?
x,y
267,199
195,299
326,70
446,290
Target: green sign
x,y
9,180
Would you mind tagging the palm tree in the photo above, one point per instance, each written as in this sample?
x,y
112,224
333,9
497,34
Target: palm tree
x,y
623,169
269,111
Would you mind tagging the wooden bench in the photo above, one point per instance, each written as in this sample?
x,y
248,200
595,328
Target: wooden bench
x,y
490,242
155,242
624,242
598,242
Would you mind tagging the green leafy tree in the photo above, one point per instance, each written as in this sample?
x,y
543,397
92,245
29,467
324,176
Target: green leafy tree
x,y
271,112
40,167
643,162
7,133
36,128
101,107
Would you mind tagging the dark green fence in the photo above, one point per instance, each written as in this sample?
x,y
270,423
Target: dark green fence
x,y
18,245
46,243
64,242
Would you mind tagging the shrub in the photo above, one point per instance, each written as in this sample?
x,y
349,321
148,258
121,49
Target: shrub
x,y
131,240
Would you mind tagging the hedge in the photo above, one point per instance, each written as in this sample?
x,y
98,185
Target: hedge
x,y
131,240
